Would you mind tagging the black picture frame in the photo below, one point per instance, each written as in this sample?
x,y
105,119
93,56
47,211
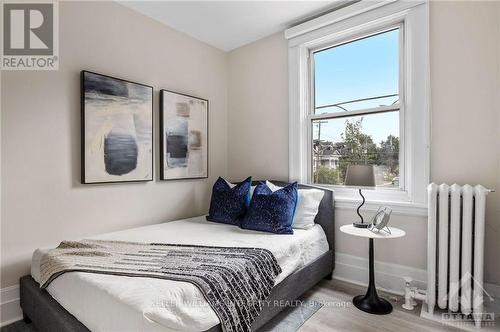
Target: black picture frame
x,y
83,112
162,138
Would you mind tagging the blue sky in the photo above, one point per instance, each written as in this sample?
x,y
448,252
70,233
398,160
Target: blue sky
x,y
361,69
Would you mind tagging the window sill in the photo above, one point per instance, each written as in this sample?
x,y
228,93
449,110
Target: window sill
x,y
397,200
400,208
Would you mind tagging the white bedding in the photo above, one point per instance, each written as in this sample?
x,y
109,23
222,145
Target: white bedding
x,y
119,303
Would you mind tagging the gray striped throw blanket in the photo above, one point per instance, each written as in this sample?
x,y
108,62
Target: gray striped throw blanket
x,y
234,281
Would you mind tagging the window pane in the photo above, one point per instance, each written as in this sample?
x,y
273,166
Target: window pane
x,y
370,139
362,69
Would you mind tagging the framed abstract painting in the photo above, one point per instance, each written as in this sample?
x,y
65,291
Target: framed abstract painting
x,y
117,130
184,136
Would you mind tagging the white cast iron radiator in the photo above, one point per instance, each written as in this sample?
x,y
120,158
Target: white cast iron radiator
x,y
455,253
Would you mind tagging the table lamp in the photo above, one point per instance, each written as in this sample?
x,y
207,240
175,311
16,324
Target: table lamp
x,y
360,176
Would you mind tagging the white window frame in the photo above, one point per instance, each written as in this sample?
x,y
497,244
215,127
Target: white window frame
x,y
351,22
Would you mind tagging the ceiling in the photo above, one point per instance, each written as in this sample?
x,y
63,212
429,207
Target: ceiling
x,y
230,24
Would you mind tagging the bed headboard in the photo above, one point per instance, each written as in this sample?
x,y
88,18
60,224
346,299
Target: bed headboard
x,y
325,216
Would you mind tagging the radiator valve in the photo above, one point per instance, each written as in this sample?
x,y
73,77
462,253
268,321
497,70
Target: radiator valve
x,y
412,294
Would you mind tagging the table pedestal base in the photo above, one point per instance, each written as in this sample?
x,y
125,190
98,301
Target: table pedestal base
x,y
372,305
370,302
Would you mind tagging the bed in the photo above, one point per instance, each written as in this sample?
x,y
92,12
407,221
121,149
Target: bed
x,y
78,301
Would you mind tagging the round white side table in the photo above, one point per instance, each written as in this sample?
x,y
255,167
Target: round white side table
x,y
370,302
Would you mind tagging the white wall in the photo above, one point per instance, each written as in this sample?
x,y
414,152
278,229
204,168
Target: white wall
x,y
257,123
465,60
43,201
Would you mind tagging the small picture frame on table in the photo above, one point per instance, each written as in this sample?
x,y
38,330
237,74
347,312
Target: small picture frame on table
x,y
381,219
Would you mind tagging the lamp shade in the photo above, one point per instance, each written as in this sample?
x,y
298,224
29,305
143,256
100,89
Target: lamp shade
x,y
360,176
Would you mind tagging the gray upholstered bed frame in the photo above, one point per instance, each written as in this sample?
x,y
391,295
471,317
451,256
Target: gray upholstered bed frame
x,y
48,315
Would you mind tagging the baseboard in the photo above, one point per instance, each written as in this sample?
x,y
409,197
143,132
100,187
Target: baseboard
x,y
10,308
388,276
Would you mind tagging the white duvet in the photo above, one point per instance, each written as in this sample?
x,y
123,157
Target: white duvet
x,y
119,303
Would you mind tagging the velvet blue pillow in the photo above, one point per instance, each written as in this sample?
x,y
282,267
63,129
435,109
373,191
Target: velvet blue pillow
x,y
271,211
228,205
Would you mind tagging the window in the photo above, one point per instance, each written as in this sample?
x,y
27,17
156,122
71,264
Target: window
x,y
357,103
358,93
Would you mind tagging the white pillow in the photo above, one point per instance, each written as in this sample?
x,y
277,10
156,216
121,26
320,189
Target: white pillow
x,y
307,206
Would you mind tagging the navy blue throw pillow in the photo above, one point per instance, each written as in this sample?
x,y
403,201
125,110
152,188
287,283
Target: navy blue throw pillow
x,y
229,205
271,211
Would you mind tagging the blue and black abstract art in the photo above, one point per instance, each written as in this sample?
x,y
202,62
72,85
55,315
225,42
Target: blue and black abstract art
x,y
117,130
184,132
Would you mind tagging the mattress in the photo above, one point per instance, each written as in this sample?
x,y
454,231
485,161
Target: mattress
x,y
120,303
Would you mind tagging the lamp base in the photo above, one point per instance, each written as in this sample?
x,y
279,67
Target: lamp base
x,y
361,224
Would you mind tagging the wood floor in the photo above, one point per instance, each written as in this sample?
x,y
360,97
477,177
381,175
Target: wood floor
x,y
339,314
